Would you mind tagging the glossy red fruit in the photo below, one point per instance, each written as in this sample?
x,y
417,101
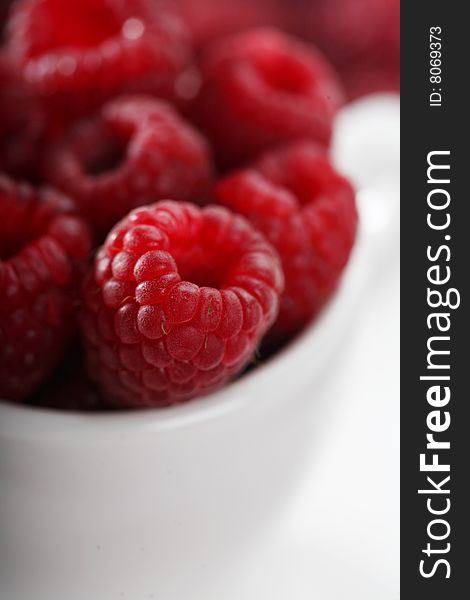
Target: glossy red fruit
x,y
79,54
209,20
262,88
43,252
307,211
138,150
178,302
360,37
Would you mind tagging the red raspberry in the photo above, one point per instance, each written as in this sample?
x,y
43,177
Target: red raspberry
x,y
307,211
136,152
80,53
360,37
178,303
22,124
350,31
369,78
212,19
42,253
262,88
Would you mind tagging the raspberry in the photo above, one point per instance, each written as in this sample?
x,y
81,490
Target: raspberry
x,y
212,19
262,88
136,152
178,302
307,211
22,124
353,30
42,254
360,37
369,78
79,54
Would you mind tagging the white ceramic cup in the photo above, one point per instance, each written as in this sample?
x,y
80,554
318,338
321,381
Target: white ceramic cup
x,y
161,504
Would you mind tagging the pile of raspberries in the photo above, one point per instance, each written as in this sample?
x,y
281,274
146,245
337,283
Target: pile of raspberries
x,y
166,212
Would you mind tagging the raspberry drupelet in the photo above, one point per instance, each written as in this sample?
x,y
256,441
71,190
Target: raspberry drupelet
x,y
262,88
78,54
308,212
43,252
138,150
178,302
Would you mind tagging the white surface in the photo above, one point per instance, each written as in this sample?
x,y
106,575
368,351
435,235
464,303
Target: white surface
x,y
201,502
